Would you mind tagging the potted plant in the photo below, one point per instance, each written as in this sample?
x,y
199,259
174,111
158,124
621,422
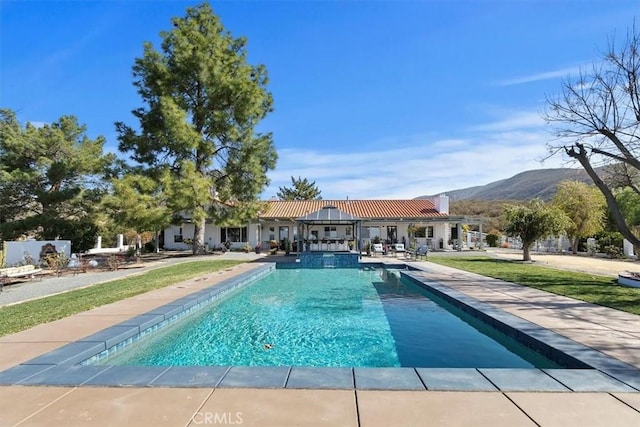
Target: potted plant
x,y
287,246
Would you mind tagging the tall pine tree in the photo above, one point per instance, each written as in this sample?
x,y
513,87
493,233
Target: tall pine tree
x,y
51,178
301,189
202,103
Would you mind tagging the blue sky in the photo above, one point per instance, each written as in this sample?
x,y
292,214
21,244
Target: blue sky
x,y
373,99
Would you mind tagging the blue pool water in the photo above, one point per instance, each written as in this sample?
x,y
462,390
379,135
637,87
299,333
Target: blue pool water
x,y
329,317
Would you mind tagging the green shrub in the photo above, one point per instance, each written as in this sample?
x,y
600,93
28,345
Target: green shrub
x,y
608,241
493,238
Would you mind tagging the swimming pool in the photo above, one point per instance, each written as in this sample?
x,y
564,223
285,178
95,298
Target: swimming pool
x,y
328,318
587,369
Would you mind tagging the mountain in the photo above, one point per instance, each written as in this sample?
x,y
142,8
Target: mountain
x,y
526,185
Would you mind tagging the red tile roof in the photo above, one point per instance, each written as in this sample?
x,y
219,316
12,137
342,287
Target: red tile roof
x,y
365,209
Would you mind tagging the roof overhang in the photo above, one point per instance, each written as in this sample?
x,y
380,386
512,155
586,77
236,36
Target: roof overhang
x,y
329,215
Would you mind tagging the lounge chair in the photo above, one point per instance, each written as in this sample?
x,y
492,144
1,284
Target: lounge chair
x,y
398,248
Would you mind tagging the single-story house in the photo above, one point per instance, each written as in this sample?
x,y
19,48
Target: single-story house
x,y
343,221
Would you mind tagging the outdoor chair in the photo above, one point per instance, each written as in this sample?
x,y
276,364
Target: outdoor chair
x,y
378,249
418,253
398,248
422,251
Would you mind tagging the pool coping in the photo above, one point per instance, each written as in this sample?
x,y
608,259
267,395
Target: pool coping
x,y
61,367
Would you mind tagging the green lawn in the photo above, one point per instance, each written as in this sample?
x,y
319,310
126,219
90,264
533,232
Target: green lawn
x,y
586,287
15,318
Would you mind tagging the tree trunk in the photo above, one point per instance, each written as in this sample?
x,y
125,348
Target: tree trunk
x,y
200,224
526,255
198,237
138,247
578,152
574,245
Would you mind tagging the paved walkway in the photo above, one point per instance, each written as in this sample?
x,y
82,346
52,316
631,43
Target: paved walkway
x,y
51,285
603,329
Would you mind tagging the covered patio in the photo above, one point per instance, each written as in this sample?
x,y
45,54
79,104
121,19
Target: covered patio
x,y
329,230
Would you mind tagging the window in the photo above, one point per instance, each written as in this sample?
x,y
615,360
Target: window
x,y
233,234
177,235
272,233
370,232
330,232
348,231
283,233
430,231
314,235
424,232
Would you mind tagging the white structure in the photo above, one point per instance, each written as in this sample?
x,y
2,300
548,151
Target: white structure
x,y
628,248
387,220
22,252
120,247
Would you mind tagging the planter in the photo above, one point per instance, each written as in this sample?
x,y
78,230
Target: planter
x,y
629,279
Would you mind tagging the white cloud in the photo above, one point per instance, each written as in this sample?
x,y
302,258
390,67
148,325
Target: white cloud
x,y
493,152
564,72
519,120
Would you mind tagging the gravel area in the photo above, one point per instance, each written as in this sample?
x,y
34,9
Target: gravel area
x,y
581,263
49,285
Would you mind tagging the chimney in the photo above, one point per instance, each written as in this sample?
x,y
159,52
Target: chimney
x,y
441,203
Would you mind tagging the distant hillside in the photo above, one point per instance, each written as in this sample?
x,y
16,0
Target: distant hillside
x,y
527,185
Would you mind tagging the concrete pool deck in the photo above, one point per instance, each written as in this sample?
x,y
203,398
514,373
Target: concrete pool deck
x,y
608,331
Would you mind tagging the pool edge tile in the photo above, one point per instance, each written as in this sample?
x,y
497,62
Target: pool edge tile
x,y
320,378
191,376
517,379
588,380
387,379
455,379
255,377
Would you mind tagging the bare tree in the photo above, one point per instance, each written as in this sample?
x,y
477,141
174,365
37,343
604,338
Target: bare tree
x,y
621,175
597,121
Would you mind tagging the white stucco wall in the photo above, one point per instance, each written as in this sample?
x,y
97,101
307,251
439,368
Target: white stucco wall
x,y
169,233
259,232
14,252
211,236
